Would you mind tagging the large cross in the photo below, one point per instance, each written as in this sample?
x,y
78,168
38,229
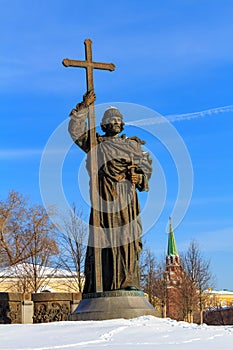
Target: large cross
x,y
89,65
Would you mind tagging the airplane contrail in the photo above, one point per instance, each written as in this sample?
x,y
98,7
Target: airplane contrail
x,y
179,117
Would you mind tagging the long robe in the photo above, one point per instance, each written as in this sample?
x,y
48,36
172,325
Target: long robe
x,y
119,225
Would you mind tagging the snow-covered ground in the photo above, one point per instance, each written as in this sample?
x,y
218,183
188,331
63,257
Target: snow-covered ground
x,y
146,332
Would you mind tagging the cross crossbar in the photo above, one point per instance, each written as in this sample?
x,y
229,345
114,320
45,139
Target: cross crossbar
x,y
88,64
85,64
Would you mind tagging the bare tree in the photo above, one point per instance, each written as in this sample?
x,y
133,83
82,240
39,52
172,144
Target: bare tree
x,y
73,240
198,278
27,241
186,298
148,274
153,281
161,287
13,238
42,249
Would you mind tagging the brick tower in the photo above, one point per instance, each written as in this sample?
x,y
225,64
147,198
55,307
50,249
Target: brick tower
x,y
173,277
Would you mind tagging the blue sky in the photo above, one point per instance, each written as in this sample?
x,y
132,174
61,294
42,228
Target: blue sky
x,y
172,57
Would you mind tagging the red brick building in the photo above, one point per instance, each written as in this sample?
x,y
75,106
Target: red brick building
x,y
173,275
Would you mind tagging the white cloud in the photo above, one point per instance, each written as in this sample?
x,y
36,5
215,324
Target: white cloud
x,y
201,114
183,117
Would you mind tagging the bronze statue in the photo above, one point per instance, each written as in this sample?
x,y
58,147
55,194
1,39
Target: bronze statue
x,y
117,167
122,169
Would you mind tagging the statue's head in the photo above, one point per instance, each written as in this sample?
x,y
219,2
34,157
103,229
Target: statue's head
x,y
111,115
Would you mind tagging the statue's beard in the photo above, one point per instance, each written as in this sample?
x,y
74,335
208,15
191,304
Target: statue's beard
x,y
114,128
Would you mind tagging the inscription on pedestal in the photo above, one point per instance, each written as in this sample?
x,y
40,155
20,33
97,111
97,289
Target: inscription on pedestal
x,y
114,293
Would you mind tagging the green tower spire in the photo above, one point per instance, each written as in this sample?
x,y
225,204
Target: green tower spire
x,y
171,248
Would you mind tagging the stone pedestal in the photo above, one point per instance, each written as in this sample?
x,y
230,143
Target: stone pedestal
x,y
51,307
113,304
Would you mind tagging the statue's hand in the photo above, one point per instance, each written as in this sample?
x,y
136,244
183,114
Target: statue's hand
x,y
89,98
136,179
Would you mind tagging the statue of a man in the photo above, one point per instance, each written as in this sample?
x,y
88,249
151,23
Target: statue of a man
x,y
123,168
